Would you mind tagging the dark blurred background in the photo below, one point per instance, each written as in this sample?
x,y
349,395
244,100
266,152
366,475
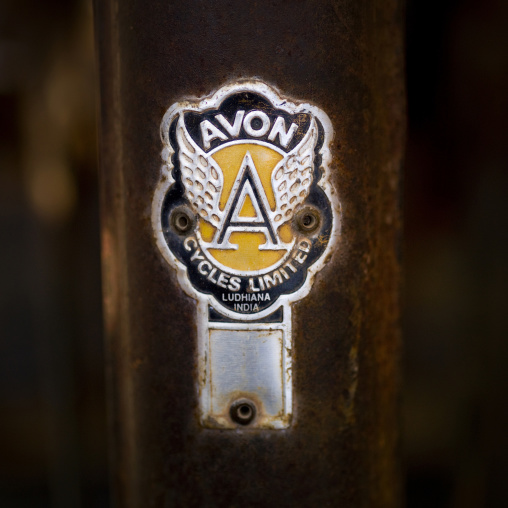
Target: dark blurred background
x,y
53,445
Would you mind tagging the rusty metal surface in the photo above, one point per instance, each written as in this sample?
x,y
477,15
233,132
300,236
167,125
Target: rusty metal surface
x,y
345,57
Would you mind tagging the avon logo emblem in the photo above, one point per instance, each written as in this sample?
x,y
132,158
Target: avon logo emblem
x,y
243,205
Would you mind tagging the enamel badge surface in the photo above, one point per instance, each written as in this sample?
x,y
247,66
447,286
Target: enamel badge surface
x,y
245,213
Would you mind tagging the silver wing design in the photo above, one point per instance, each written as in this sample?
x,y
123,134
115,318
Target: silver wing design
x,y
292,177
201,176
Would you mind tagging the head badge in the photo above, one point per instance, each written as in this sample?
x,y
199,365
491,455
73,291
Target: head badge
x,y
245,212
248,171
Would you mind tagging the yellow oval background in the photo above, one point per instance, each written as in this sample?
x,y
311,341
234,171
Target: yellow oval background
x,y
248,257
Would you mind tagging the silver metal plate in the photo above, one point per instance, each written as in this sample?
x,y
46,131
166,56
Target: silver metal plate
x,y
249,366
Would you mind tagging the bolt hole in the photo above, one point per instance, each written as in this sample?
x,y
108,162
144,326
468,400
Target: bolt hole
x,y
242,412
307,220
182,220
245,410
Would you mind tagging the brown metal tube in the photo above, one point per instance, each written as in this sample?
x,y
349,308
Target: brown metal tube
x,y
346,57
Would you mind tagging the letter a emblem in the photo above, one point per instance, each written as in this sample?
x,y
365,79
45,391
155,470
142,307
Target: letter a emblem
x,y
247,185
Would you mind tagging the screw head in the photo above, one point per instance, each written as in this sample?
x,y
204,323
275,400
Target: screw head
x,y
242,411
307,220
182,220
